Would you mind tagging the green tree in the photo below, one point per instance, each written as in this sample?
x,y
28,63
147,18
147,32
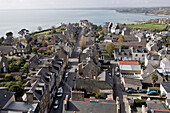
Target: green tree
x,y
154,78
110,48
34,49
8,77
39,28
17,89
25,68
17,78
23,32
9,34
121,38
53,29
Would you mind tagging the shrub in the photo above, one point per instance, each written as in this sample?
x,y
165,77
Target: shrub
x,y
8,77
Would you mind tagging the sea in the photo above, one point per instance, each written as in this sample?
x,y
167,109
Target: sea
x,y
15,20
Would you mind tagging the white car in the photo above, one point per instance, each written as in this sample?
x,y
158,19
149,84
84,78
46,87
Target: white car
x,y
116,69
59,94
56,103
60,90
55,106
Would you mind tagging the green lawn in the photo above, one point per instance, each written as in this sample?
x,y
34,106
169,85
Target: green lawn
x,y
46,32
148,26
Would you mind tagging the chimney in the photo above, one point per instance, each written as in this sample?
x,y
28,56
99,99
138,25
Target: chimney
x,y
30,110
80,68
143,109
118,104
66,103
30,96
77,96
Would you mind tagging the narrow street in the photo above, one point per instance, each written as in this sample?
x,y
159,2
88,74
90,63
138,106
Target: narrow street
x,y
69,83
118,91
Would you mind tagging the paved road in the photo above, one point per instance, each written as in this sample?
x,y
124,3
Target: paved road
x,y
69,84
118,90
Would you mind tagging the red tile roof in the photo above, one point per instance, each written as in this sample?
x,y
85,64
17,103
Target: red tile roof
x,y
128,63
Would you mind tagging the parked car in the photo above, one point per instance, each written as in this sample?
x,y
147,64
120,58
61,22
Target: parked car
x,y
117,73
56,103
65,77
66,73
142,91
131,91
74,78
59,94
116,69
68,67
152,92
60,90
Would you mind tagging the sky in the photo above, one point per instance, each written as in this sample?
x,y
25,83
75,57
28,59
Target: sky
x,y
50,4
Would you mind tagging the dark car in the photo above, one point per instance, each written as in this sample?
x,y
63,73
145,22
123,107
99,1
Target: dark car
x,y
68,67
131,91
142,91
74,78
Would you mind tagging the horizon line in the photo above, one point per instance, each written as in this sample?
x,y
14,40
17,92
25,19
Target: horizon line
x,y
90,8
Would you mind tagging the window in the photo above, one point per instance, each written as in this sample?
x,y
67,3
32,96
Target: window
x,y
143,55
136,55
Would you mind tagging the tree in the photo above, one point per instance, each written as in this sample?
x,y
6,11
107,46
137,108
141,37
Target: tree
x,y
39,28
25,68
154,78
23,32
17,78
41,50
83,42
1,39
28,39
44,44
9,34
110,48
17,89
34,49
121,38
53,29
8,77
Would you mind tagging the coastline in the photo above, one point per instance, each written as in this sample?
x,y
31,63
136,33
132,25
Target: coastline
x,y
149,14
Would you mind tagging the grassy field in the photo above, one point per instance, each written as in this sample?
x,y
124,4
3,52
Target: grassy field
x,y
45,32
147,26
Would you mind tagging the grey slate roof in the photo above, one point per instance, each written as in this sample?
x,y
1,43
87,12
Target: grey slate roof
x,y
166,86
91,107
155,105
5,96
140,50
149,71
133,81
21,106
36,94
6,49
